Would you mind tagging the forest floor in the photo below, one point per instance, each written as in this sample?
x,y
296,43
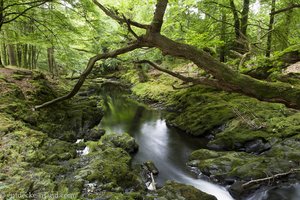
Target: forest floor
x,y
39,156
249,139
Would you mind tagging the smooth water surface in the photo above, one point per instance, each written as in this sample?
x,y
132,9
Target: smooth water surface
x,y
167,147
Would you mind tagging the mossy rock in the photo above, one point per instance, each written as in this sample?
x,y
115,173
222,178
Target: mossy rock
x,y
244,166
198,110
177,191
124,141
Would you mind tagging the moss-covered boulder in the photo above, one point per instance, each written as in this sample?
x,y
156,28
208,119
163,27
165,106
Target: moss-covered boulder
x,y
177,191
124,141
198,110
244,166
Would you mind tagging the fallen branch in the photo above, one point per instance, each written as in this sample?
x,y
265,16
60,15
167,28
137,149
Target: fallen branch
x,y
276,176
200,80
87,71
183,87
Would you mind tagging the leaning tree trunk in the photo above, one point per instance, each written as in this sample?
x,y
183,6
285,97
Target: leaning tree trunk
x,y
224,77
227,78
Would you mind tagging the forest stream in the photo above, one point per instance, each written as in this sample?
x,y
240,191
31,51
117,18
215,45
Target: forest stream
x,y
169,147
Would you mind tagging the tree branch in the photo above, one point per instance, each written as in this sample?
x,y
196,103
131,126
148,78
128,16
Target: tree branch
x,y
121,20
23,12
201,80
25,3
220,5
129,28
285,9
87,71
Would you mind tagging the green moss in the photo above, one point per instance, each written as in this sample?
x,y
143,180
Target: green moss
x,y
124,141
203,154
240,165
151,91
7,124
178,191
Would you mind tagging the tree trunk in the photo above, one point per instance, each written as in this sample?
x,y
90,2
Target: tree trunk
x,y
25,56
287,30
4,54
1,64
12,54
29,59
228,79
51,61
270,29
34,57
244,18
240,25
19,55
236,20
223,38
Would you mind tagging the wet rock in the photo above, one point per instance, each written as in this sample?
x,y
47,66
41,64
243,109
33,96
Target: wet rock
x,y
150,166
94,134
256,146
236,189
178,191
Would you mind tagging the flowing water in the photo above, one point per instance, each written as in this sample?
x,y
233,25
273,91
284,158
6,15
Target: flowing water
x,y
168,147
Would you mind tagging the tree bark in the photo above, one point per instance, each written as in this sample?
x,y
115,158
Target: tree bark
x,y
19,55
271,23
4,54
236,20
12,54
51,62
244,18
25,56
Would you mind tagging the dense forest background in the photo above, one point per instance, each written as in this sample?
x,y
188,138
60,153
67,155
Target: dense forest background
x,y
60,36
257,38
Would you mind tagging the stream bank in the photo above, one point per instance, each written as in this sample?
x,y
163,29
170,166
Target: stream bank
x,y
248,139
